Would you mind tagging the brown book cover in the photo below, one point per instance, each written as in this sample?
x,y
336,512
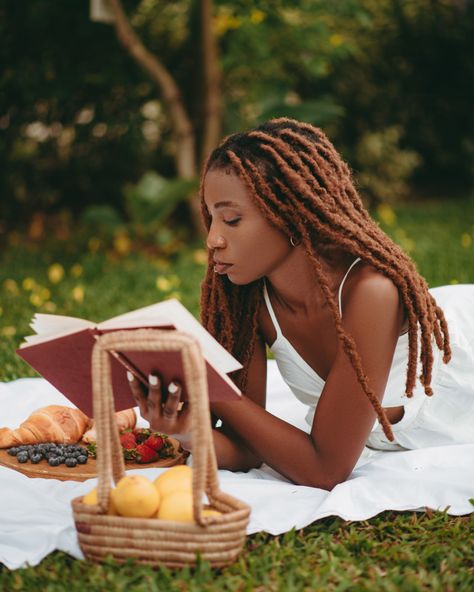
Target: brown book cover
x,y
65,361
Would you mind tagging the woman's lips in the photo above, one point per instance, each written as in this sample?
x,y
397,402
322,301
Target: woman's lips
x,y
221,268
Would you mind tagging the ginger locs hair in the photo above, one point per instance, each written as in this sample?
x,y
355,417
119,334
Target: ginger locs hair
x,y
302,186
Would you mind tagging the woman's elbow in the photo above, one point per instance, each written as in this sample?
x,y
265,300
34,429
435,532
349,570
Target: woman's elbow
x,y
324,479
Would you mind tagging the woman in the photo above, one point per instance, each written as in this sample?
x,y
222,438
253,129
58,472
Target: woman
x,y
298,265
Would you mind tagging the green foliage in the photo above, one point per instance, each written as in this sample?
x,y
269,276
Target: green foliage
x,y
152,200
80,120
410,69
318,112
384,168
101,220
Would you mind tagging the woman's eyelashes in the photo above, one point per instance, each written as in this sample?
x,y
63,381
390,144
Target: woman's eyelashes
x,y
232,221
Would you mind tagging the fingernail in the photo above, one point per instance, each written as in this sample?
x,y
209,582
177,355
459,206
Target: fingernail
x,y
173,387
130,376
153,380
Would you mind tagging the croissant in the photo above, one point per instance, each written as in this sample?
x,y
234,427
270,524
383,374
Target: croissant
x,y
54,423
125,419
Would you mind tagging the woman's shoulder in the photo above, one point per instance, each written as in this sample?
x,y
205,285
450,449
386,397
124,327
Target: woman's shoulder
x,y
368,288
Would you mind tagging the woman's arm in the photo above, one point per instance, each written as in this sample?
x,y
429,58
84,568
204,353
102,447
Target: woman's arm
x,y
344,416
231,451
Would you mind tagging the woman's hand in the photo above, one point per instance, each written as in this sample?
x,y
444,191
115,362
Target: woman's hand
x,y
164,414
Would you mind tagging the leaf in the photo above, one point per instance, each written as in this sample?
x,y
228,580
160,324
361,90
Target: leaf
x,y
155,198
318,112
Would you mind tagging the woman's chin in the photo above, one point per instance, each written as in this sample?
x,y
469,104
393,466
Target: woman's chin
x,y
236,280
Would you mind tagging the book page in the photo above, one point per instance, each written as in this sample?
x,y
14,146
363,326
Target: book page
x,y
172,312
48,326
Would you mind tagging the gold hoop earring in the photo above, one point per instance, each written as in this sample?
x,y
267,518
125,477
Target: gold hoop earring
x,y
294,242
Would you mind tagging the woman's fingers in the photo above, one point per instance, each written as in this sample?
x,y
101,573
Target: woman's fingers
x,y
154,391
173,401
138,394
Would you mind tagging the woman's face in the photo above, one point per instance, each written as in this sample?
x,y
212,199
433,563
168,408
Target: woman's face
x,y
246,246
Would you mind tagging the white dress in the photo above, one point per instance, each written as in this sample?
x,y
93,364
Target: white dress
x,y
447,417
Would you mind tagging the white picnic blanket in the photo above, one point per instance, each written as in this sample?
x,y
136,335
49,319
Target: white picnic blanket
x,y
36,516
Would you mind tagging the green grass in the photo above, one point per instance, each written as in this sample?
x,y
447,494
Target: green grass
x,y
393,551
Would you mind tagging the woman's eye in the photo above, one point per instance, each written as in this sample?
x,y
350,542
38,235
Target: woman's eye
x,y
232,222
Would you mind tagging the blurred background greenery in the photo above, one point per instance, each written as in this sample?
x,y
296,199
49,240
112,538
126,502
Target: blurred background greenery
x,y
92,137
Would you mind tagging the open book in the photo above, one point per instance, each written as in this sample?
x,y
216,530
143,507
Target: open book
x,y
61,352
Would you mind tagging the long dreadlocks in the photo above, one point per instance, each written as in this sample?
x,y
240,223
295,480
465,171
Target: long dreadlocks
x,y
301,185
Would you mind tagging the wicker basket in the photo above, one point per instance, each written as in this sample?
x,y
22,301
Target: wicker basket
x,y
217,539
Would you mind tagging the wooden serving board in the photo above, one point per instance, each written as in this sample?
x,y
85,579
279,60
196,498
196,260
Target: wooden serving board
x,y
83,472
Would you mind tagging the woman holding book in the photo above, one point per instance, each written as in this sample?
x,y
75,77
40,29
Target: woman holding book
x,y
298,265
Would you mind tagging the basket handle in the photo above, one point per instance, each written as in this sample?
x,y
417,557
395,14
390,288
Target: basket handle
x,y
110,462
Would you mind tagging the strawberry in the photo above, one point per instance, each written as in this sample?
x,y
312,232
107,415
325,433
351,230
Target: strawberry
x,y
128,441
141,434
145,454
155,441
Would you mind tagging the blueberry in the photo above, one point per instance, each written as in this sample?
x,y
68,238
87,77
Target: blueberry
x,y
36,458
82,459
13,451
54,461
22,457
71,462
61,458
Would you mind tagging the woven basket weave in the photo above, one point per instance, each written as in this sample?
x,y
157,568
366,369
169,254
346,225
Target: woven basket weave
x,y
217,539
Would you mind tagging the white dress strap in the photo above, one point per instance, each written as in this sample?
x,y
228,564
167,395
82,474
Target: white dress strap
x,y
270,310
342,284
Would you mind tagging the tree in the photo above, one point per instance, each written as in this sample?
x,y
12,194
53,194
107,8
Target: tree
x,y
184,135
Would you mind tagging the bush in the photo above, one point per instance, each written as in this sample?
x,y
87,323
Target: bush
x,y
384,167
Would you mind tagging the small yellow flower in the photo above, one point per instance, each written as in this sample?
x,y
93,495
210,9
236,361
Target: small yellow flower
x,y
176,295
49,306
122,243
76,270
336,40
386,214
94,244
78,293
36,300
200,257
9,331
55,273
256,16
163,284
466,240
225,22
28,284
11,286
454,281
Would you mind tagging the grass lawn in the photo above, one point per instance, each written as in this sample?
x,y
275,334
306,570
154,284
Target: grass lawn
x,y
394,551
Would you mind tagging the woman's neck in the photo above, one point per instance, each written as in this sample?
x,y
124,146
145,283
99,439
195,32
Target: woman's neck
x,y
294,284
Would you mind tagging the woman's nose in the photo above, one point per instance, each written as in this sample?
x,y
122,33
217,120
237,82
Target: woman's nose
x,y
215,240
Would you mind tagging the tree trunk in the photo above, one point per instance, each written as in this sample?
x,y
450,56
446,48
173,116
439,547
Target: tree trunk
x,y
212,83
185,157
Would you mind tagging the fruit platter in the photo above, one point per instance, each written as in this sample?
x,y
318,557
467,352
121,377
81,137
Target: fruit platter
x,y
141,447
